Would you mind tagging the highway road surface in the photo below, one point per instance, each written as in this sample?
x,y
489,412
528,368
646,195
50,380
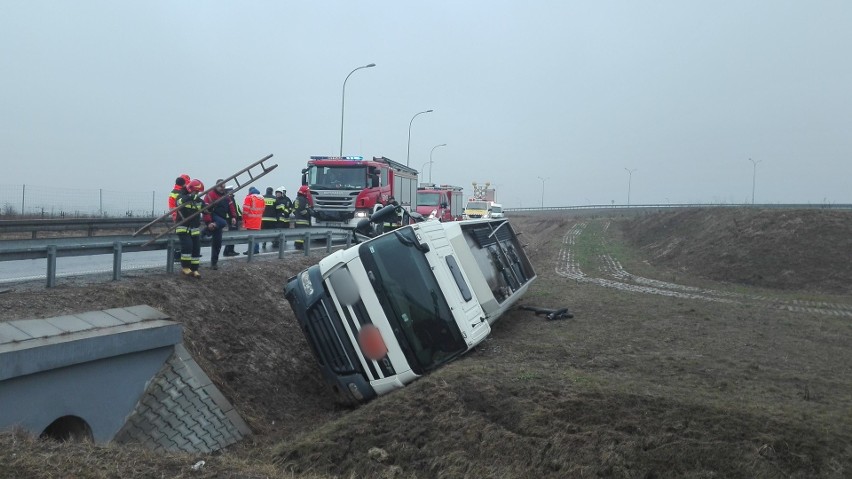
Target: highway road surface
x,y
21,271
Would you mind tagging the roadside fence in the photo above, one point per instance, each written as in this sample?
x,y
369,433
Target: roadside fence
x,y
33,201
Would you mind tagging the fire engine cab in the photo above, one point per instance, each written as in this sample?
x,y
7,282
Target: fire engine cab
x,y
347,189
443,202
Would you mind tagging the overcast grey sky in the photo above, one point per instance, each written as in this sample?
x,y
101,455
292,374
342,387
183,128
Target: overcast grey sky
x,y
116,94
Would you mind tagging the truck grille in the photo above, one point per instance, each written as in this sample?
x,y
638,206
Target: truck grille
x,y
385,366
329,340
334,200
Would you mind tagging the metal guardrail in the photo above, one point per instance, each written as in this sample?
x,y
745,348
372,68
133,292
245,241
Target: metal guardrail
x,y
89,225
811,206
51,249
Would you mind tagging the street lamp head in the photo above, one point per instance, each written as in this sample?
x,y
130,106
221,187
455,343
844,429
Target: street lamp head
x,y
408,153
343,101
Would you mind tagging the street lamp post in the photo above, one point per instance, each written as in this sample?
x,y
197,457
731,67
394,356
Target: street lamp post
x,y
629,180
430,159
542,189
343,102
408,153
753,177
423,168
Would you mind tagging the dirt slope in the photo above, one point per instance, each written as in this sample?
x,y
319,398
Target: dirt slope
x,y
786,249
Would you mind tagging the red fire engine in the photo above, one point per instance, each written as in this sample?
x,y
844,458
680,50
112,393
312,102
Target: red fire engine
x,y
443,202
346,189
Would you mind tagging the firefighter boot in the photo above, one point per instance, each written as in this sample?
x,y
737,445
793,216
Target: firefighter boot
x,y
186,271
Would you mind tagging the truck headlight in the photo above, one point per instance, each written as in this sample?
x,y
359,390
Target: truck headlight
x,y
306,283
360,214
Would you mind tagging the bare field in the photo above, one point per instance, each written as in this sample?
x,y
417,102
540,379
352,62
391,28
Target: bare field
x,y
666,369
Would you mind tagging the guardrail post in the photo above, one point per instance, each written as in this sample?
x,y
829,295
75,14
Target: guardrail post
x,y
307,244
328,241
348,239
251,243
170,258
51,266
282,244
116,261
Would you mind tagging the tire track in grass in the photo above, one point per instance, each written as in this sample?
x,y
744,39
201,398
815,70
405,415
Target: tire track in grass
x,y
615,276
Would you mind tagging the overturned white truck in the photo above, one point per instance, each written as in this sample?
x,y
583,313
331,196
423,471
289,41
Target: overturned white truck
x,y
380,314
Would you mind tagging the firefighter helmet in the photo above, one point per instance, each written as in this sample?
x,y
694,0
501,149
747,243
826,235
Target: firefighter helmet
x,y
304,190
281,190
195,186
185,177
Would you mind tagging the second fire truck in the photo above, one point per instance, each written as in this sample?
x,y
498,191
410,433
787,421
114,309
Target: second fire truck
x,y
443,202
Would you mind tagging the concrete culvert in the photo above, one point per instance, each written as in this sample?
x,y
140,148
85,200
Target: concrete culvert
x,y
68,428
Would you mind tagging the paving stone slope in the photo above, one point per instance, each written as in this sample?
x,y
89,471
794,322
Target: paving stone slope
x,y
182,410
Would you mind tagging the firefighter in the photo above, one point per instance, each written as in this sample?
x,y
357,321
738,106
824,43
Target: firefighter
x,y
253,206
190,203
177,190
284,206
394,221
302,212
270,214
302,207
221,215
234,221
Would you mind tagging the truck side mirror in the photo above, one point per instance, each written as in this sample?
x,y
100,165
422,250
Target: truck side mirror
x,y
363,227
386,212
374,180
443,204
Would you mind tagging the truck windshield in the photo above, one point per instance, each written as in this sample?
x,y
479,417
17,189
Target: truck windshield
x,y
496,209
428,199
477,205
337,177
412,300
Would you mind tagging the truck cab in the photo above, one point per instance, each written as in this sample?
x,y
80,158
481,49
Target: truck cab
x,y
495,210
382,313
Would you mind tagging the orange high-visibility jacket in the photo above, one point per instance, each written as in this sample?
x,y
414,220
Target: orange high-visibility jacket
x,y
253,207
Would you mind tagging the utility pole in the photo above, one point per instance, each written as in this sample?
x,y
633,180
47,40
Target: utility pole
x,y
753,177
629,180
542,189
